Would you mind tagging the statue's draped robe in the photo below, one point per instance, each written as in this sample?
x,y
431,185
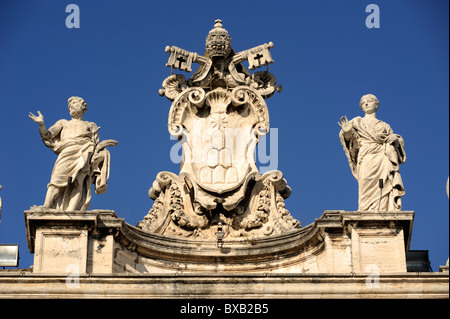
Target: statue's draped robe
x,y
373,157
78,161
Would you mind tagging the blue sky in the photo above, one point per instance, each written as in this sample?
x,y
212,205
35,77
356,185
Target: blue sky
x,y
325,59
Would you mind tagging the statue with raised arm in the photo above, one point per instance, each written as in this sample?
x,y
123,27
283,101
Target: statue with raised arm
x,y
374,153
82,160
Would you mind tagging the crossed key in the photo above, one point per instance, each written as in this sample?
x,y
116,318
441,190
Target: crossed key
x,y
182,59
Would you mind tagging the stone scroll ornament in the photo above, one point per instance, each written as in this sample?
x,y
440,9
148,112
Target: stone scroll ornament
x,y
82,159
218,115
374,154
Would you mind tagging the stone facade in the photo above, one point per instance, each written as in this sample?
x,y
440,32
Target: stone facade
x,y
224,286
100,242
342,254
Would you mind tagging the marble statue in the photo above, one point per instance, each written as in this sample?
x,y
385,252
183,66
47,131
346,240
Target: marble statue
x,y
374,153
218,115
82,159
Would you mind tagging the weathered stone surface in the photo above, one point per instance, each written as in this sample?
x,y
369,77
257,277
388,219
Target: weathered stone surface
x,y
341,255
65,242
261,213
100,242
23,284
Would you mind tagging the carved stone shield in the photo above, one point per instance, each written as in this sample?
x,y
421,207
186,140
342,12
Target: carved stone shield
x,y
218,115
219,131
221,147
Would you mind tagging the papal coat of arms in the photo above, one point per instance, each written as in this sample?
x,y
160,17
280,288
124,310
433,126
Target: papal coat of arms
x,y
218,115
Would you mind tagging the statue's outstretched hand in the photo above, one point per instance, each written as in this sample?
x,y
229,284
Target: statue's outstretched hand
x,y
38,119
345,124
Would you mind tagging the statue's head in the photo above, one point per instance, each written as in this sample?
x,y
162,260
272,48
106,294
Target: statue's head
x,y
76,104
218,41
369,103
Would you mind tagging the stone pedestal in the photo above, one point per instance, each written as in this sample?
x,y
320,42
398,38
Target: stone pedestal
x,y
71,242
379,241
98,242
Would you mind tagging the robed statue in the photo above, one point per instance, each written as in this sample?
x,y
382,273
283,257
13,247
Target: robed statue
x,y
82,159
374,153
